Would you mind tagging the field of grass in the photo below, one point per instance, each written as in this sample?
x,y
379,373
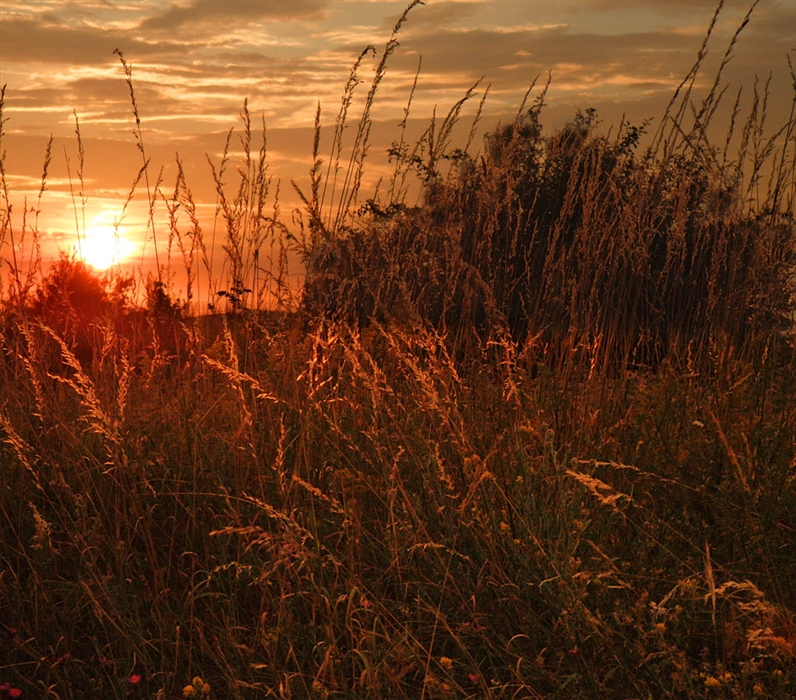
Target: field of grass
x,y
534,438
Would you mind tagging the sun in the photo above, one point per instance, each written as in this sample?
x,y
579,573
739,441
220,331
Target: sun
x,y
102,247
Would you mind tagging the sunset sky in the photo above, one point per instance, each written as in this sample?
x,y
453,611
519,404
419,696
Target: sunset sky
x,y
194,62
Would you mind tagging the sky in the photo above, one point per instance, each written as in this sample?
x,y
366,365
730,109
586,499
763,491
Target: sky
x,y
194,62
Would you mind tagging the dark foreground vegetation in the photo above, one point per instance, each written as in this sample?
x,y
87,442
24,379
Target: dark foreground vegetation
x,y
535,438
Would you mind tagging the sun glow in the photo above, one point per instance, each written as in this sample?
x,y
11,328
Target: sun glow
x,y
103,245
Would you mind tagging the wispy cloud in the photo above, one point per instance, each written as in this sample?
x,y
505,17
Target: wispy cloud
x,y
194,62
205,16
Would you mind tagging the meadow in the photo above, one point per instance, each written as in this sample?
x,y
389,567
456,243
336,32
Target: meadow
x,y
532,437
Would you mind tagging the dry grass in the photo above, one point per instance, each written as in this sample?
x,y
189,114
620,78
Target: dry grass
x,y
348,514
550,454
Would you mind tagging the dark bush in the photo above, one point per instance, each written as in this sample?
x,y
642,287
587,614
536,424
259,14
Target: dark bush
x,y
569,238
73,300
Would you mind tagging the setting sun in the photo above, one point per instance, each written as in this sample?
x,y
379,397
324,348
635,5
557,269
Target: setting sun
x,y
104,246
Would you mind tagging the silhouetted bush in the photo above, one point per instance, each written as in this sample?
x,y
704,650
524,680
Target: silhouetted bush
x,y
72,300
569,238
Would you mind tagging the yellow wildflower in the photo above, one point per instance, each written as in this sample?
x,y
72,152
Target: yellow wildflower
x,y
197,689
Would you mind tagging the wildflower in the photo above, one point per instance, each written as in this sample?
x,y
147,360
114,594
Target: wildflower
x,y
711,682
135,679
431,681
197,689
12,692
758,690
473,677
446,663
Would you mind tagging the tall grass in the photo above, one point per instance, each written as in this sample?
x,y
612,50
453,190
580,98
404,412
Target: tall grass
x,y
535,437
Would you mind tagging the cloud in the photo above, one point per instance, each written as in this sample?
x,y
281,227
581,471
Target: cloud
x,y
678,7
195,61
440,15
35,41
206,15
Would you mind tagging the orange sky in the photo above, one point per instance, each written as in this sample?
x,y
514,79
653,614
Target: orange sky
x,y
195,61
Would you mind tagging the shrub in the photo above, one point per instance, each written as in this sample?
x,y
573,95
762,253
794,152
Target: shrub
x,y
569,238
72,299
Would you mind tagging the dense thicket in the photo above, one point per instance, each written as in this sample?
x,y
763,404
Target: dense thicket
x,y
568,238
